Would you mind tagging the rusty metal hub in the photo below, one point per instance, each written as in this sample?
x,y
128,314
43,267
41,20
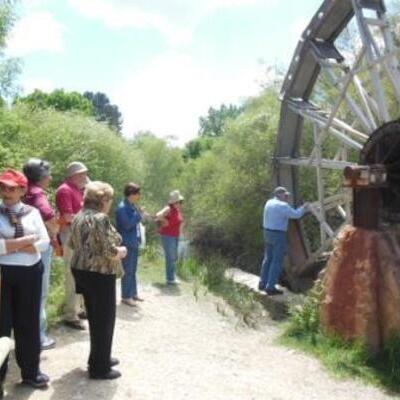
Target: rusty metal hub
x,y
383,147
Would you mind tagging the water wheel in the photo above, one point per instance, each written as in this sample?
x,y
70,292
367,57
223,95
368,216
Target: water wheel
x,y
340,105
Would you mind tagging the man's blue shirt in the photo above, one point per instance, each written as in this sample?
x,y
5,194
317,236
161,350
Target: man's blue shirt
x,y
277,214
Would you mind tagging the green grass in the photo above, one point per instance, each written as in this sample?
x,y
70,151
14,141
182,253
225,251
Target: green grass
x,y
151,265
55,301
343,358
210,276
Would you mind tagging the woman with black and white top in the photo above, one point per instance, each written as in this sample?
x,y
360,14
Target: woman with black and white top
x,y
23,236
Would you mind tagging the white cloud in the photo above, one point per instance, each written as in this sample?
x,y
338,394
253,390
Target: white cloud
x,y
38,31
169,95
175,19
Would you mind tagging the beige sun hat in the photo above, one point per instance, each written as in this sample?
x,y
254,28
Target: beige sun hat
x,y
76,167
175,196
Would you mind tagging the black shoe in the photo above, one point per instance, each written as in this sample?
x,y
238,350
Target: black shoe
x,y
261,287
82,315
114,361
273,292
112,374
38,382
78,325
1,391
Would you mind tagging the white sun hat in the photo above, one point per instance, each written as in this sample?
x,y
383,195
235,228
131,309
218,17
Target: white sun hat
x,y
174,197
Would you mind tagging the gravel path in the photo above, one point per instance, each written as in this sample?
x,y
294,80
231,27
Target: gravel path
x,y
174,347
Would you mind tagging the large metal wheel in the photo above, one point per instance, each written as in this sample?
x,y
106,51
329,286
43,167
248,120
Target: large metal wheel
x,y
341,90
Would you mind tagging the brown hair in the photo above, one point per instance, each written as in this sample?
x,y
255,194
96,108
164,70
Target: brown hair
x,y
131,188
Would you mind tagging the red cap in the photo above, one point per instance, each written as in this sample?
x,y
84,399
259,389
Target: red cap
x,y
13,178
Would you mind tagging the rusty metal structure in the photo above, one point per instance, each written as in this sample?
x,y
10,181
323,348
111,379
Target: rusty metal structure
x,y
340,104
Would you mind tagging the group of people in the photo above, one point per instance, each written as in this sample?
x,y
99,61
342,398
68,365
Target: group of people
x,y
95,253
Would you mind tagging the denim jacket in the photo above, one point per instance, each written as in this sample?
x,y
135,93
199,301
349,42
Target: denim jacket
x,y
127,222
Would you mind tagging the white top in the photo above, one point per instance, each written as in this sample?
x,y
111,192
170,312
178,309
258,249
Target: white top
x,y
33,225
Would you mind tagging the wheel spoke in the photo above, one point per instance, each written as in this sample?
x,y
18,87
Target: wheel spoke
x,y
364,70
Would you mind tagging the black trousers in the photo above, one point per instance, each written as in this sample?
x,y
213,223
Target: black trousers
x,y
21,289
98,292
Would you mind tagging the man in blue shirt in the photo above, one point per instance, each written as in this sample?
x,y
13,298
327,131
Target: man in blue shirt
x,y
277,213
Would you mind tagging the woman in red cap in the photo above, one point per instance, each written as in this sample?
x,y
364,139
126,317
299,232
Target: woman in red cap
x,y
23,236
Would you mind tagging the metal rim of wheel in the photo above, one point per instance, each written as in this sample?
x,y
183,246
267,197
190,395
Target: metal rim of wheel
x,y
353,124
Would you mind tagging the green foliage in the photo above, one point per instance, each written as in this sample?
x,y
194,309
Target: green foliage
x,y
344,358
59,100
210,275
9,67
161,166
213,124
227,186
104,111
62,137
55,301
305,321
196,147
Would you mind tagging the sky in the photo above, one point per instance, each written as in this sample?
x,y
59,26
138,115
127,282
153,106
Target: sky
x,y
163,62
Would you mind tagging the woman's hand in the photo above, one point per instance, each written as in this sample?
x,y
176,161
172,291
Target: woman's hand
x,y
122,251
52,227
27,240
19,244
30,249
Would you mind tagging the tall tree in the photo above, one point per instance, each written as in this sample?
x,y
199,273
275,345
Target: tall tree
x,y
9,67
58,99
105,111
213,124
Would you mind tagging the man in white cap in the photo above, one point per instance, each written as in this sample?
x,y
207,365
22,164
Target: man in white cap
x,y
69,201
277,213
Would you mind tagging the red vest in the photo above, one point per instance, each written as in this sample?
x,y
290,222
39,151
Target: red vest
x,y
175,220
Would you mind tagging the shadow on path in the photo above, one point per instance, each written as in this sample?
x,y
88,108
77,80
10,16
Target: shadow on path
x,y
128,313
76,385
168,290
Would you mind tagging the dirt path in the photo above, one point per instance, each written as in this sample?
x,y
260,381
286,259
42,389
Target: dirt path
x,y
176,348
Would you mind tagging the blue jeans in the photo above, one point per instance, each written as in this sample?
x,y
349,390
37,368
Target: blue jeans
x,y
170,245
46,261
128,281
271,268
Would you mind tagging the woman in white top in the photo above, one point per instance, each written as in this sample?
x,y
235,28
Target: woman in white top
x,y
23,236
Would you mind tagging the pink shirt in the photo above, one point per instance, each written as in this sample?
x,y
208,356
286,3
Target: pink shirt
x,y
36,197
69,198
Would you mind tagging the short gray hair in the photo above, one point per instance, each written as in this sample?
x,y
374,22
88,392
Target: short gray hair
x,y
95,193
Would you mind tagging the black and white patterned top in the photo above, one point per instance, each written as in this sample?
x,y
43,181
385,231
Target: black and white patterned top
x,y
94,242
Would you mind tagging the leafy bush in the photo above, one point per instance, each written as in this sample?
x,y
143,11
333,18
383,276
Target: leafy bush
x,y
227,186
304,321
210,275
